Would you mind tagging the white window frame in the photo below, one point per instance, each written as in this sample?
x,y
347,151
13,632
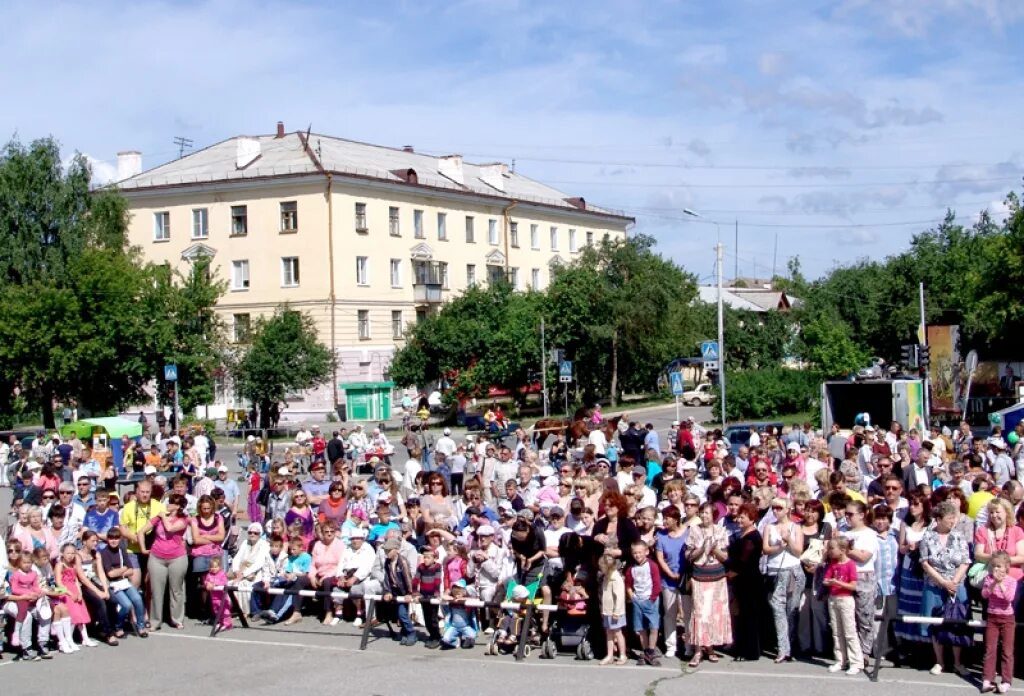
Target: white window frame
x,y
572,240
470,275
492,232
289,209
417,225
240,276
513,234
442,227
363,324
513,277
244,217
470,230
554,238
396,273
442,271
535,278
200,223
162,226
397,324
394,221
362,226
535,236
290,267
362,271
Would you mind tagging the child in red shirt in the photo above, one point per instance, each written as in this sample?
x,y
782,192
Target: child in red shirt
x,y
841,584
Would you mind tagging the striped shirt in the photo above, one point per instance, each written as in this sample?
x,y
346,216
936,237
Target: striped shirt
x,y
428,580
886,563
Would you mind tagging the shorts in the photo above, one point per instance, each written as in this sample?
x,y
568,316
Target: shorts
x,y
610,623
645,614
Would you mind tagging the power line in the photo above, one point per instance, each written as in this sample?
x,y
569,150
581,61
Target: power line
x,y
848,184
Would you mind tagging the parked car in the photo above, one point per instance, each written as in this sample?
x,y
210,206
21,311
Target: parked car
x,y
701,395
738,434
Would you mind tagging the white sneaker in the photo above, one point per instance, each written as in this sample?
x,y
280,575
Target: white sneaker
x,y
937,669
66,649
837,667
89,642
358,622
334,621
489,630
854,669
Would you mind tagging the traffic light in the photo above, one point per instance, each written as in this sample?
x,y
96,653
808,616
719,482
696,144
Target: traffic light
x,y
909,355
923,358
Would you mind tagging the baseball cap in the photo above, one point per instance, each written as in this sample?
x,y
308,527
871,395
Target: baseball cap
x,y
675,424
284,471
222,468
793,447
526,514
485,530
557,511
384,499
640,470
689,466
359,533
447,431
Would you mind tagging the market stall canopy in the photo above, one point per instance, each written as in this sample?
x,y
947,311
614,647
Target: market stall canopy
x,y
115,427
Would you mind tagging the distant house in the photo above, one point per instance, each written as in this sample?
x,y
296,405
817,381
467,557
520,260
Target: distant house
x,y
752,299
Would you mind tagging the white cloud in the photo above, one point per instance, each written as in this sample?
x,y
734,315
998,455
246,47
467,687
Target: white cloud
x,y
771,63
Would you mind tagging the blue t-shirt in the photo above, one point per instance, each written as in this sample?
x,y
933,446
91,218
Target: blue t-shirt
x,y
100,522
298,564
379,531
672,549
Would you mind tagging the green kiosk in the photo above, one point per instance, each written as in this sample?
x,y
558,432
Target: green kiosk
x,y
368,401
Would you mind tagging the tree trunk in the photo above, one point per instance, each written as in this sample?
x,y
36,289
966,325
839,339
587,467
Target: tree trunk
x,y
615,368
264,414
46,404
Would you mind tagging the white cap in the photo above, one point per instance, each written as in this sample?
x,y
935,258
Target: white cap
x,y
251,438
222,469
485,530
793,447
447,431
675,424
359,533
284,471
546,470
384,498
688,466
149,470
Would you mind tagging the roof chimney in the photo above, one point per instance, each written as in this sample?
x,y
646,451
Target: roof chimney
x,y
247,151
450,166
280,129
129,163
494,175
407,148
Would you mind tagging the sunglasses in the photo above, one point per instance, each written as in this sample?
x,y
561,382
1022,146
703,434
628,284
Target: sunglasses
x,y
778,507
250,534
892,488
49,497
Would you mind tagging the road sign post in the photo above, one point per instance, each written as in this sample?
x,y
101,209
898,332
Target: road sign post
x,y
677,388
171,375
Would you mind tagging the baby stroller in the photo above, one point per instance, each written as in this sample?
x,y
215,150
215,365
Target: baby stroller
x,y
505,640
570,627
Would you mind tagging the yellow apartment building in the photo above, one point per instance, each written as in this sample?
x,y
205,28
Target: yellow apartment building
x,y
364,238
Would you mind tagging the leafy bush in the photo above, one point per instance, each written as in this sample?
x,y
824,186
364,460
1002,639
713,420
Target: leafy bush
x,y
770,392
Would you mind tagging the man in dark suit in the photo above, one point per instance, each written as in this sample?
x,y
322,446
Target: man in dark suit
x,y
920,471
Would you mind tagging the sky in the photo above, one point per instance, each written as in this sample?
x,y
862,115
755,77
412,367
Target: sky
x,y
831,130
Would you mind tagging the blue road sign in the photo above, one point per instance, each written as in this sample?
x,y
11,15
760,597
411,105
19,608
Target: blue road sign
x,y
171,373
677,383
709,350
565,371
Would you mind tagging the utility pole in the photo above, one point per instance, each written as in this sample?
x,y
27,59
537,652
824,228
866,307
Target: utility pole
x,y
775,254
544,367
721,333
736,253
922,339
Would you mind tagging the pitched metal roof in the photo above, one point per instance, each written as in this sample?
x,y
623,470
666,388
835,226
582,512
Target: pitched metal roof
x,y
289,156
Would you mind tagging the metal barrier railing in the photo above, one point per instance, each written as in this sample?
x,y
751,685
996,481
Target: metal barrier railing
x,y
371,603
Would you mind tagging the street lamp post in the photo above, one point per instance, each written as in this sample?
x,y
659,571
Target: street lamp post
x,y
721,323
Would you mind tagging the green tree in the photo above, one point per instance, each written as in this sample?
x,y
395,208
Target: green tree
x,y
828,346
283,356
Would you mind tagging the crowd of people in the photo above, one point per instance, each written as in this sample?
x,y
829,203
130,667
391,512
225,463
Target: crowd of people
x,y
663,544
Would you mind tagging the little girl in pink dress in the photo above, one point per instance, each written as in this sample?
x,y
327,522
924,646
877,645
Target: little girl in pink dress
x,y
221,605
66,574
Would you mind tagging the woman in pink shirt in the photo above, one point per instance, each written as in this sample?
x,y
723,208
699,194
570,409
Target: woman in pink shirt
x,y
326,555
168,562
1000,534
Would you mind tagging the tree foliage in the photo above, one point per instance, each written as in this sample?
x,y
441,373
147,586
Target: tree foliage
x,y
282,357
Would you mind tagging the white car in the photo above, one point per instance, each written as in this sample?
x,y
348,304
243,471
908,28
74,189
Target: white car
x,y
702,395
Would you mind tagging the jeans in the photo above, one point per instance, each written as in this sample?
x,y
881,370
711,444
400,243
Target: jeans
x,y
403,618
785,602
128,600
452,634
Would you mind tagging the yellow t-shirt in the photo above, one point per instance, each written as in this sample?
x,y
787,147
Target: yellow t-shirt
x,y
133,518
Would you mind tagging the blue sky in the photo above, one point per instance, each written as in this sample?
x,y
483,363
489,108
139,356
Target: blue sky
x,y
839,127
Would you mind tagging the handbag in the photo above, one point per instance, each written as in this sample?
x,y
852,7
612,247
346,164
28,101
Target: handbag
x,y
814,553
976,574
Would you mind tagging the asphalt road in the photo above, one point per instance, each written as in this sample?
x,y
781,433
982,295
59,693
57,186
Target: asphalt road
x,y
280,660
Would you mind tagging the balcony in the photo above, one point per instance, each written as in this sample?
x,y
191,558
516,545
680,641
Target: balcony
x,y
426,293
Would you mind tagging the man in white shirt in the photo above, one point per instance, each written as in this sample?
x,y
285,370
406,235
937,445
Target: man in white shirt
x,y
692,483
202,444
755,438
598,440
445,444
505,468
812,465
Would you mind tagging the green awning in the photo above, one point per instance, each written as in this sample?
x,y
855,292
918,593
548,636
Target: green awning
x,y
115,427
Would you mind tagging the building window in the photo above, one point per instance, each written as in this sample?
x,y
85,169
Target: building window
x,y
200,223
289,216
240,275
554,239
364,324
513,278
534,237
239,220
417,224
492,232
535,279
442,226
393,228
361,218
572,240
362,270
470,275
443,270
590,238
161,226
496,275
470,233
397,329
421,316
290,272
513,234
396,273
243,328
